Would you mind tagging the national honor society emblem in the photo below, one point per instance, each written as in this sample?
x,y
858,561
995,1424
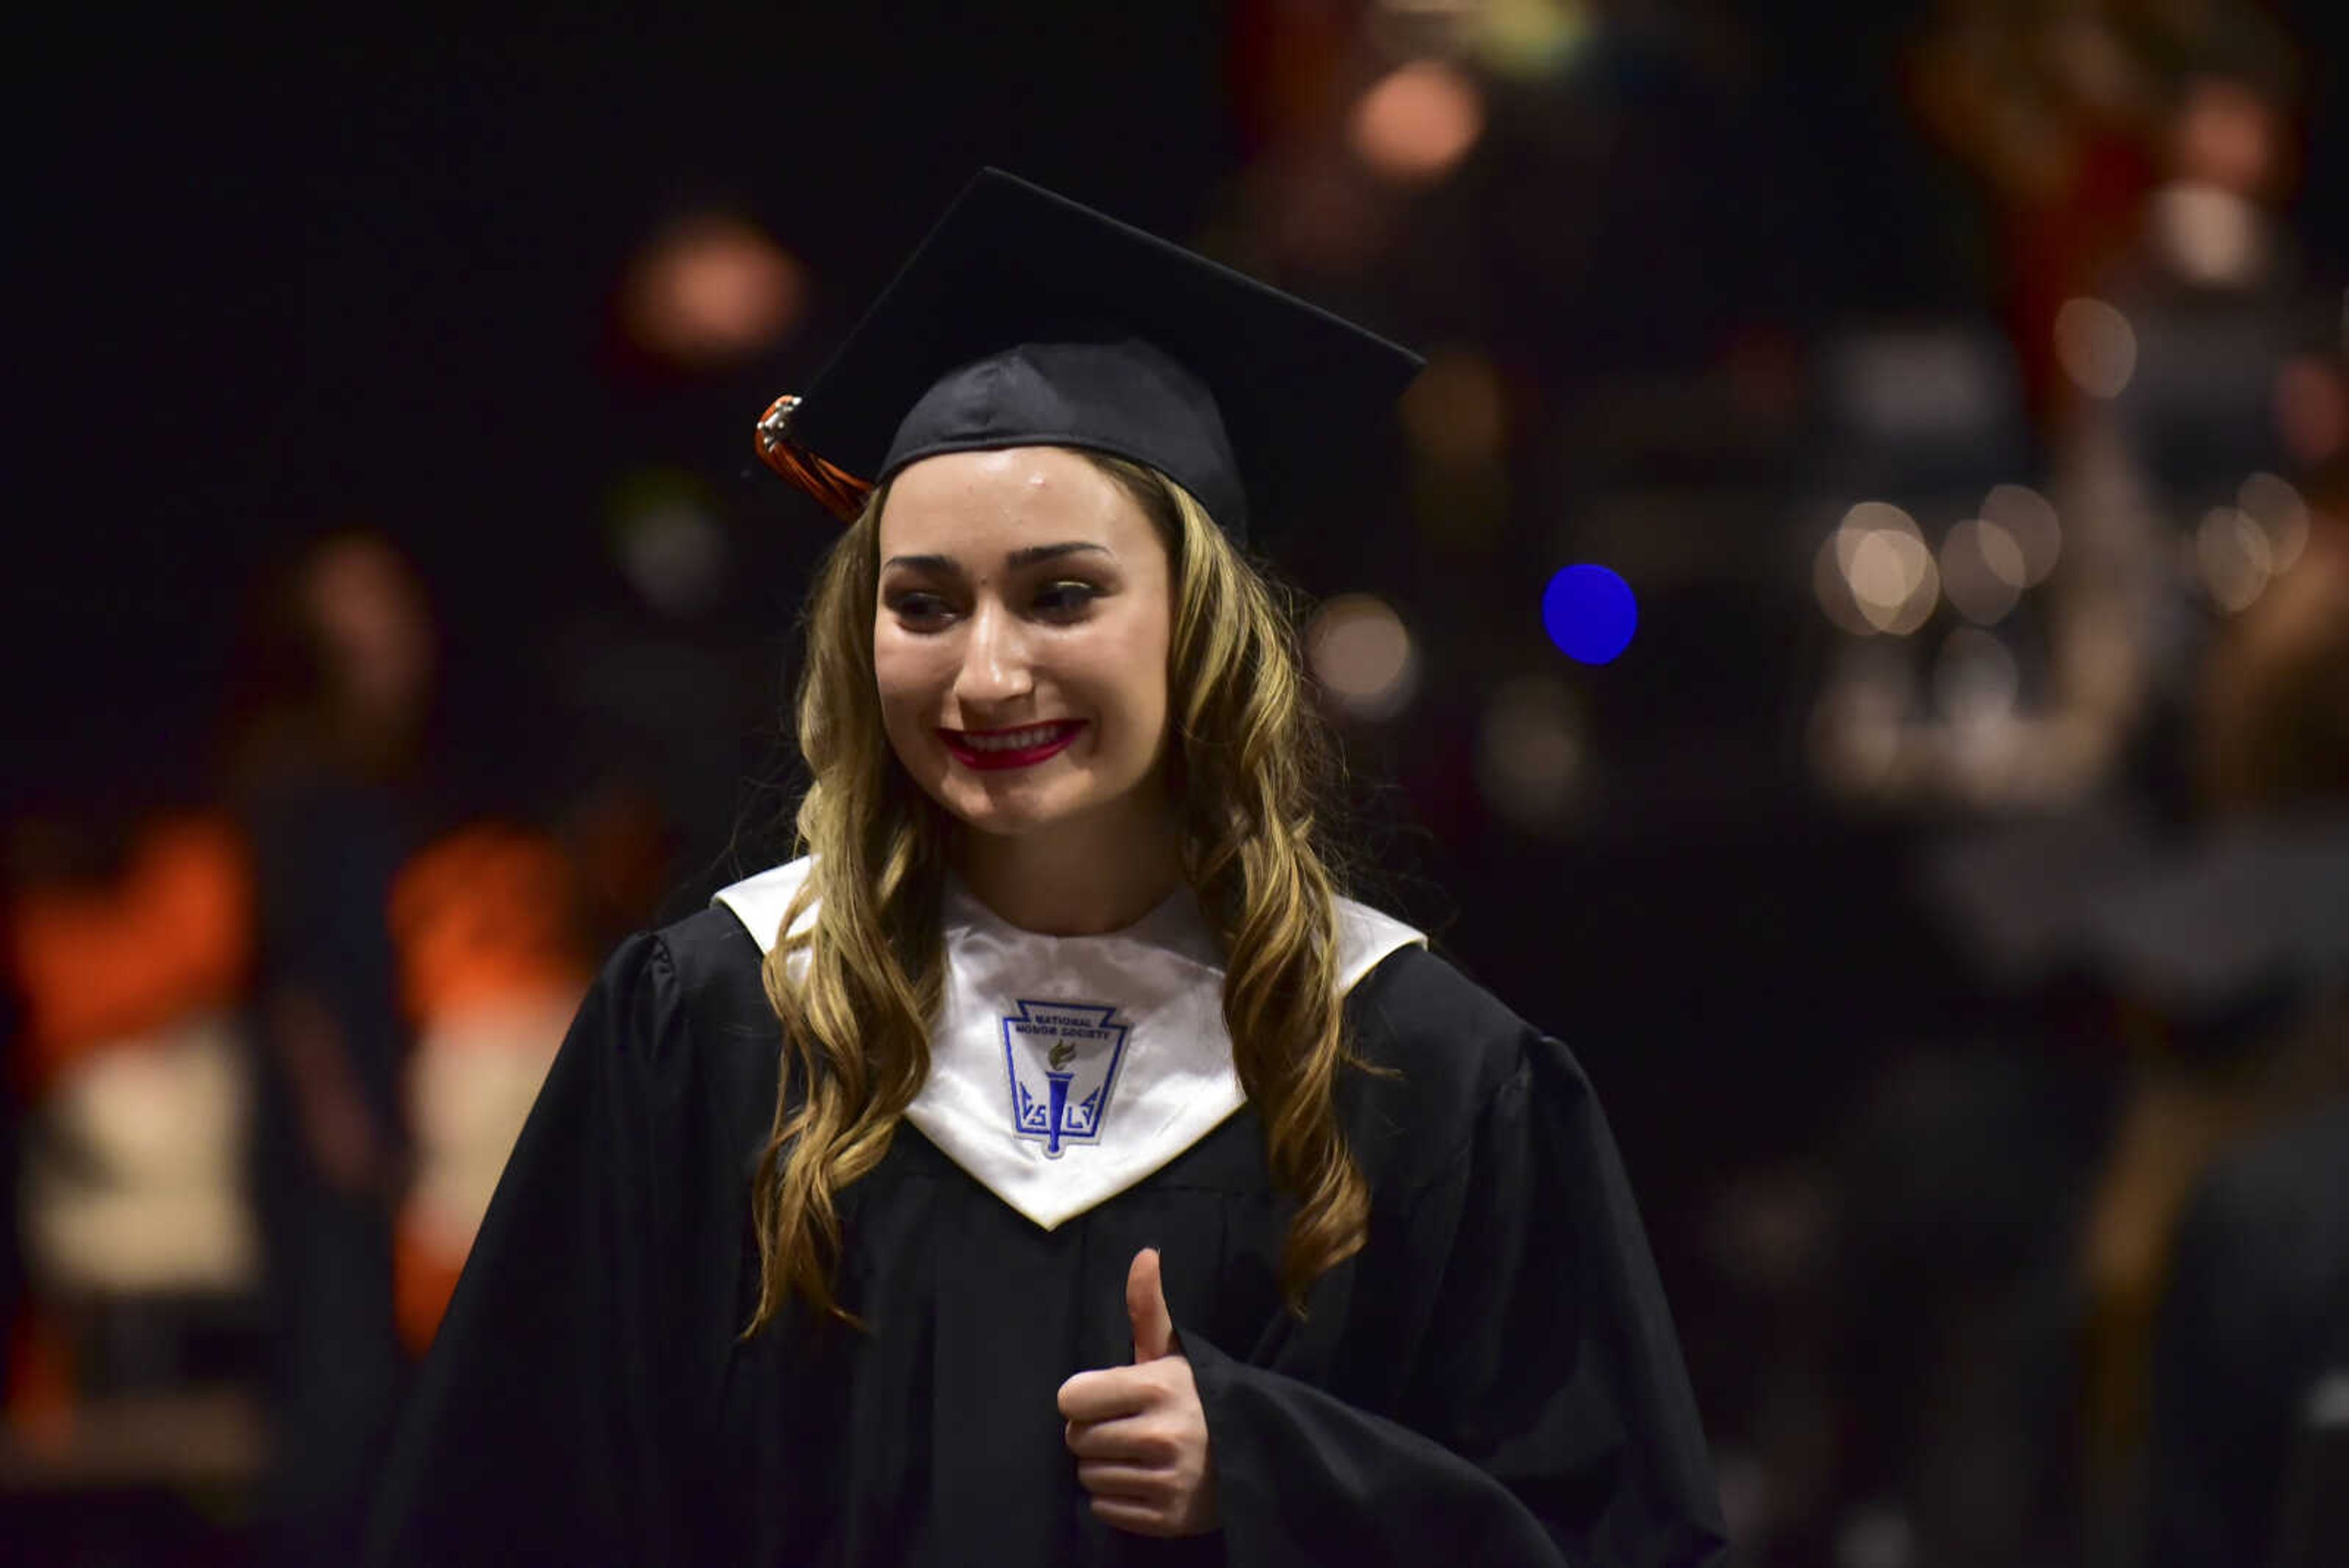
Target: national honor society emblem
x,y
1062,1059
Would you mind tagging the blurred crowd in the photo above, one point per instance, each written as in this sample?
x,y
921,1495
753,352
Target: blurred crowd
x,y
1947,886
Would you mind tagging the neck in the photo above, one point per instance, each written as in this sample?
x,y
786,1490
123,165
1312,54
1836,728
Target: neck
x,y
1079,880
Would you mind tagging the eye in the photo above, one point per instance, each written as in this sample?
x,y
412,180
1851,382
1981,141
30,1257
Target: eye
x,y
1065,601
918,611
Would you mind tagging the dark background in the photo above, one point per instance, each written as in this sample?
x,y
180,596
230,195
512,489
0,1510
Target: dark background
x,y
362,268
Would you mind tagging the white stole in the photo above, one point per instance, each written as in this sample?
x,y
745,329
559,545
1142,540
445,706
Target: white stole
x,y
1063,1070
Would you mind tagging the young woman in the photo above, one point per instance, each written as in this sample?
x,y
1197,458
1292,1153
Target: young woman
x,y
1050,1166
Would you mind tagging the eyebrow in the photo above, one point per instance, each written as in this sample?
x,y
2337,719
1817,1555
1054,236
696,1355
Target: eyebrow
x,y
1027,556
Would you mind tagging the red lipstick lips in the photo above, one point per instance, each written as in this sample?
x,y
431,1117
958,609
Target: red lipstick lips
x,y
990,750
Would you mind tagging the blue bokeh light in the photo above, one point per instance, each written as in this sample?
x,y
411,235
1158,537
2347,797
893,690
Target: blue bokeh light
x,y
1590,613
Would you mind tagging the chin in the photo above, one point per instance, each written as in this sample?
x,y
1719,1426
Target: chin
x,y
1022,807
1000,817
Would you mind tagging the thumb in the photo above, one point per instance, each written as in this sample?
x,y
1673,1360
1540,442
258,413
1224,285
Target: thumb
x,y
1145,1304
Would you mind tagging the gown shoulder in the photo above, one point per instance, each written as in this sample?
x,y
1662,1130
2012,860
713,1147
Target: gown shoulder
x,y
715,969
1438,1056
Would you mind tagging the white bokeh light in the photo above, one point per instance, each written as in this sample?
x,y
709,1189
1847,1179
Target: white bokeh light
x,y
2028,518
1531,753
2096,346
1982,570
1887,569
2233,558
2281,514
1361,653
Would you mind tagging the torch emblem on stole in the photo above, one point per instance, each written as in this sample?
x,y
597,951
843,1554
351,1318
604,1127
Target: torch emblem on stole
x,y
1061,1059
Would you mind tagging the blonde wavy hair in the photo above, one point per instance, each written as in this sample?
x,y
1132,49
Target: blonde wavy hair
x,y
1251,763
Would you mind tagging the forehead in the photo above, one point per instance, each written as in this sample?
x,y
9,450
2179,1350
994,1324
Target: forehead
x,y
975,505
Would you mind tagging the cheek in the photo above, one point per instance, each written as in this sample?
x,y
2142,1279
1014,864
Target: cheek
x,y
1151,703
1142,698
903,682
1158,660
900,669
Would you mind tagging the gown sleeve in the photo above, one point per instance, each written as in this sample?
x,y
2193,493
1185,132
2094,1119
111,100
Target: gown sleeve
x,y
1548,1417
551,1419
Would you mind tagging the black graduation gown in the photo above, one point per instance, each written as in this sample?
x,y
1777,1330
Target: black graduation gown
x,y
1494,1377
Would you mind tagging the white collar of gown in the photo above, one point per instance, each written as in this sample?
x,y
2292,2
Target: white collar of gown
x,y
1065,1069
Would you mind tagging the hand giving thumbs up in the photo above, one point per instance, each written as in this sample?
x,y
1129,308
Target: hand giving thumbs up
x,y
1139,1433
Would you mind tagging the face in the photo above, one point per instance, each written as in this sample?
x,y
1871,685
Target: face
x,y
1019,641
370,614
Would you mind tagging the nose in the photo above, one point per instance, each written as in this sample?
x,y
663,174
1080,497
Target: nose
x,y
994,659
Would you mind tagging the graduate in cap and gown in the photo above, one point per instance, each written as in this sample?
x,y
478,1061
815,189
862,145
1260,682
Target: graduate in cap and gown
x,y
1051,1166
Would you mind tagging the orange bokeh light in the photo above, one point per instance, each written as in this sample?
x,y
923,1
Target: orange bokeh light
x,y
1419,122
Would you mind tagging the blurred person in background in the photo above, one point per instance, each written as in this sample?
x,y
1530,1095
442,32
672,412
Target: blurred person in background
x,y
2226,577
656,670
2080,119
2055,110
326,754
126,943
2012,1190
2247,1448
2178,407
2171,987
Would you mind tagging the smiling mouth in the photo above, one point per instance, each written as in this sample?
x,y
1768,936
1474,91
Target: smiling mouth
x,y
1023,747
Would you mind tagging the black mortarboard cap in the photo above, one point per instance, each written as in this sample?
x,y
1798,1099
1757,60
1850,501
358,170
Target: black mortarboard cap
x,y
1027,319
